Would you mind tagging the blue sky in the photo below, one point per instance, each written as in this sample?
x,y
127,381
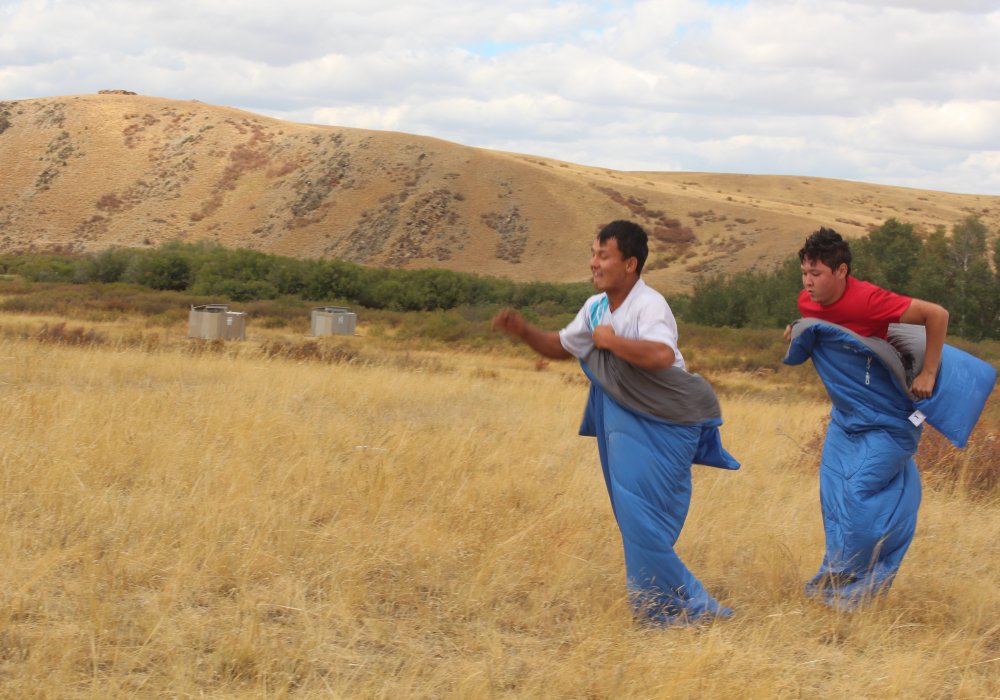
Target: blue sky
x,y
899,92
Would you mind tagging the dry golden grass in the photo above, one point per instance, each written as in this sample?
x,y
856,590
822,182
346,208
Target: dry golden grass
x,y
218,523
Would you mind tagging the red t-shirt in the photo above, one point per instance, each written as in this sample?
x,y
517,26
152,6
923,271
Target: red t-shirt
x,y
863,308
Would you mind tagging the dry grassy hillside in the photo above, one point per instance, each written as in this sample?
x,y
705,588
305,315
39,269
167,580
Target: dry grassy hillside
x,y
85,172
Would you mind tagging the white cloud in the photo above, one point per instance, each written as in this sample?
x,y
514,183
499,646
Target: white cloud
x,y
971,6
963,124
897,91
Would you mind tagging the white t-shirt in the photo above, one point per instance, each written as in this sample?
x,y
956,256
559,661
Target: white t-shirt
x,y
644,315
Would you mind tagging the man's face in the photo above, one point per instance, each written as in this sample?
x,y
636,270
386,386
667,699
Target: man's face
x,y
609,271
823,285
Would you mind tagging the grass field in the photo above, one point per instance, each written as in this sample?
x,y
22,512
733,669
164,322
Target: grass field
x,y
358,518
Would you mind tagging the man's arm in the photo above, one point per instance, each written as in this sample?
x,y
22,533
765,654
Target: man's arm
x,y
934,319
646,354
543,342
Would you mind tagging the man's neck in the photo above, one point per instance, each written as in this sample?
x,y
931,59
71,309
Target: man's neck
x,y
840,296
617,297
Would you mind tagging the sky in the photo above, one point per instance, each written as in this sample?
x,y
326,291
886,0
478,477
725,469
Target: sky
x,y
896,92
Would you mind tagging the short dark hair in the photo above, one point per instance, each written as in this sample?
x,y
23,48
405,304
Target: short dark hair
x,y
828,247
633,242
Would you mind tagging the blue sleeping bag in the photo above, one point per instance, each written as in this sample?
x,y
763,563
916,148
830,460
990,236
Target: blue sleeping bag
x,y
869,484
646,460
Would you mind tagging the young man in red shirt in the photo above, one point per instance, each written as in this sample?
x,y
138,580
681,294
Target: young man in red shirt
x,y
869,484
830,294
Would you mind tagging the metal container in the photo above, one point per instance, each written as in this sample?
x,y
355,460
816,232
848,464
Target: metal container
x,y
216,322
333,320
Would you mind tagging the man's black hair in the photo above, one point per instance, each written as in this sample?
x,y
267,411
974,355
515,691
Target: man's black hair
x,y
828,247
633,242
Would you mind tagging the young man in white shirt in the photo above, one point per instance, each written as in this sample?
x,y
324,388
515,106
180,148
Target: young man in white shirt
x,y
648,475
627,317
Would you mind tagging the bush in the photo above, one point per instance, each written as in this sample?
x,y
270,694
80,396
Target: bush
x,y
59,334
245,275
108,266
166,269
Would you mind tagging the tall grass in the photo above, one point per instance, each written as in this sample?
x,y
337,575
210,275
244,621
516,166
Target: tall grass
x,y
259,520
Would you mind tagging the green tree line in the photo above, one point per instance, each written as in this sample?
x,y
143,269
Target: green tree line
x,y
240,275
961,272
958,271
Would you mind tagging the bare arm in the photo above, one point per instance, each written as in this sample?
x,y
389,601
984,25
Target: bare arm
x,y
545,343
647,354
934,319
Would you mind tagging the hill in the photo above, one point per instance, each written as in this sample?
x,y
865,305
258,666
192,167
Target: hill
x,y
86,172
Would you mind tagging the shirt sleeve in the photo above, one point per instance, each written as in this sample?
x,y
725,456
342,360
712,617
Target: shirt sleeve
x,y
657,323
887,306
577,338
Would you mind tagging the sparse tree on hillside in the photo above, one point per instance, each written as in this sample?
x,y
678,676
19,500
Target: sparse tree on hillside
x,y
749,298
887,256
932,278
973,301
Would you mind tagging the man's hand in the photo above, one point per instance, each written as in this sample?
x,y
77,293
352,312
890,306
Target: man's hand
x,y
509,322
545,343
647,354
923,384
604,336
934,318
788,333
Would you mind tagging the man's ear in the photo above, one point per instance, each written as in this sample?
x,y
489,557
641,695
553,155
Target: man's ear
x,y
631,264
842,271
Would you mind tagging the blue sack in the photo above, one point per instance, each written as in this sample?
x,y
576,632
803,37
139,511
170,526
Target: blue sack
x,y
964,383
646,461
869,484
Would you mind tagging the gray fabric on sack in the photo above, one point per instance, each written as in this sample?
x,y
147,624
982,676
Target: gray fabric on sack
x,y
902,353
671,393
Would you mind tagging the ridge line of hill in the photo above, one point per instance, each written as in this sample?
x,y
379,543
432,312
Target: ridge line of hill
x,y
83,173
